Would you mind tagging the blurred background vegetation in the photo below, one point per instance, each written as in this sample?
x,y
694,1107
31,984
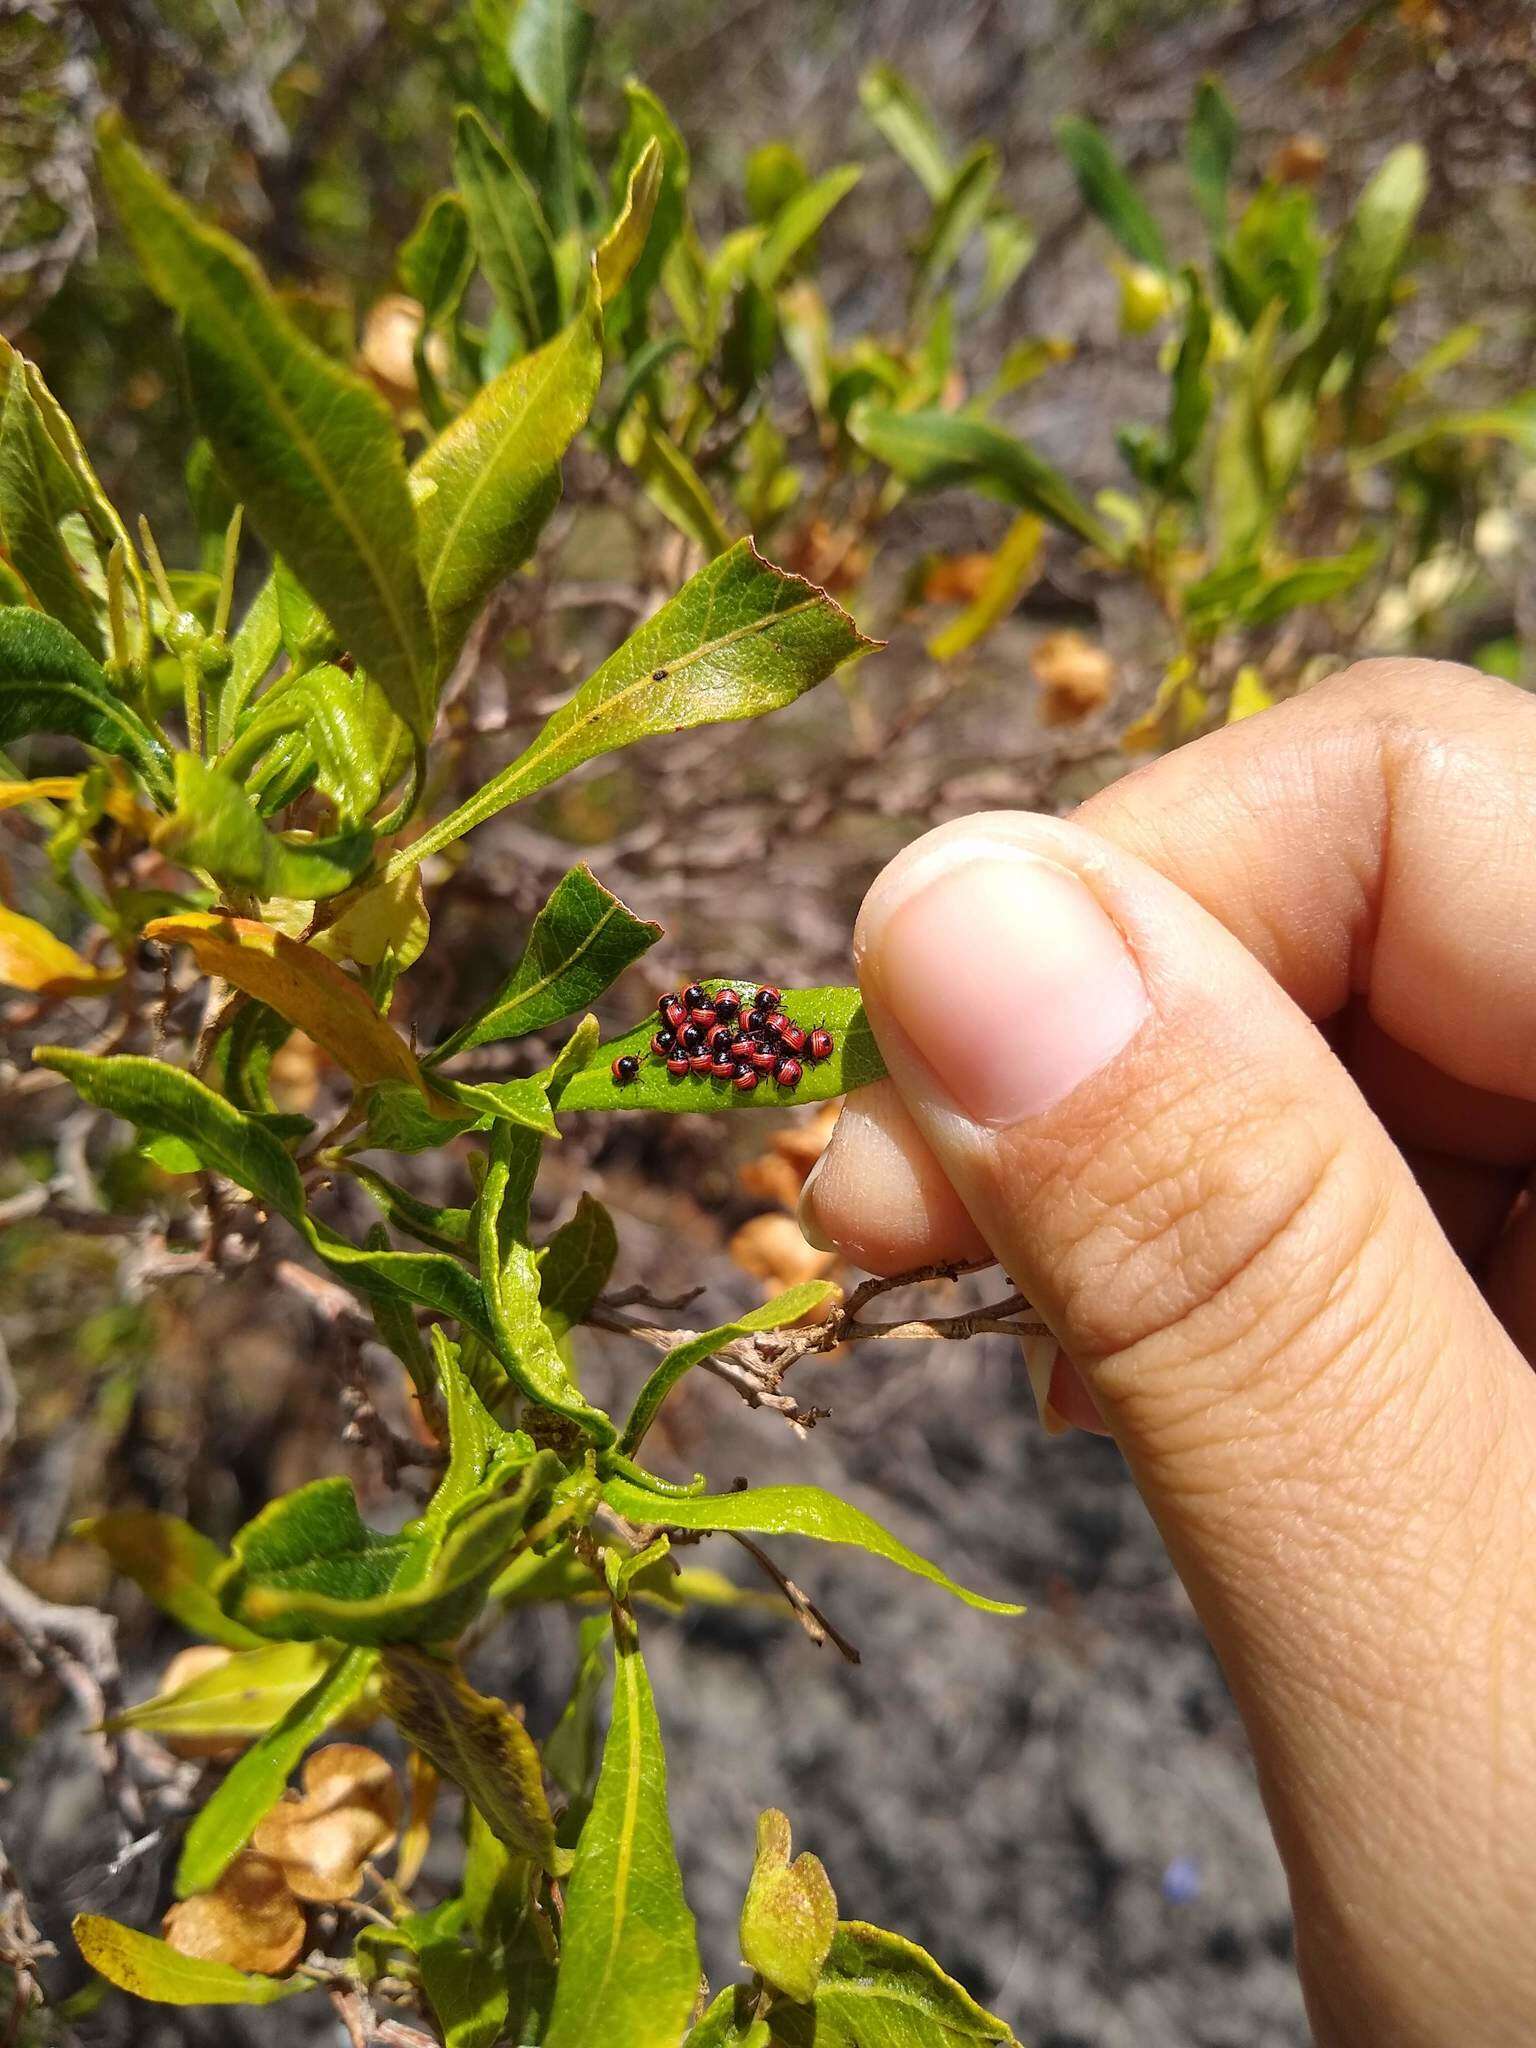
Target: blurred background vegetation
x,y
1063,1812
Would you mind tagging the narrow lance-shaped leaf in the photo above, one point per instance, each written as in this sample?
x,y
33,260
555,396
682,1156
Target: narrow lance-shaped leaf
x,y
223,1826
958,215
785,1309
240,1698
620,249
934,450
799,220
548,48
629,1964
580,943
1210,151
648,121
855,1062
786,1511
670,481
908,126
489,482
739,639
310,447
50,683
1109,193
512,237
36,491
510,1278
1015,565
479,1743
174,1564
146,1967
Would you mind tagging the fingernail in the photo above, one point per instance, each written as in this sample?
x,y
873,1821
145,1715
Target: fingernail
x,y
1004,972
805,1212
1039,1363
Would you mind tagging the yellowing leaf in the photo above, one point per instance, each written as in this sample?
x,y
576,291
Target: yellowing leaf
x,y
152,1969
43,788
620,248
31,958
303,986
1250,693
790,1913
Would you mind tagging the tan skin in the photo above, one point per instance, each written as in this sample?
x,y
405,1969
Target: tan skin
x,y
1269,1188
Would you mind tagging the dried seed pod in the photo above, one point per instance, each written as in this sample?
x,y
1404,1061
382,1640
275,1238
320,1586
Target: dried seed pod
x,y
250,1919
348,1811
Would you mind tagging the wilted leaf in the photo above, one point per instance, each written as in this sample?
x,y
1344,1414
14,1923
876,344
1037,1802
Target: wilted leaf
x,y
1009,573
785,1511
492,478
778,1314
934,450
223,1825
512,237
773,1249
620,249
629,1963
648,121
479,1743
875,1986
310,447
1109,193
249,1920
49,683
348,1812
855,1062
301,985
789,1915
149,1968
31,958
171,1562
580,943
1074,675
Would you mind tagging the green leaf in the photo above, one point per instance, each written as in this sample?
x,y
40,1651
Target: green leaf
x,y
778,1314
580,943
36,492
908,126
648,121
224,1824
575,1266
571,1749
491,479
309,447
876,1987
1372,251
789,1916
670,480
729,2023
49,683
935,450
215,827
1210,150
170,1561
854,1063
1515,422
512,237
465,1990
444,1229
158,1097
629,1964
1109,193
358,744
797,222
252,652
785,1511
548,49
1010,243
240,1698
1275,252
957,216
620,249
481,1745
739,639
509,1276
436,259
147,1967
1250,595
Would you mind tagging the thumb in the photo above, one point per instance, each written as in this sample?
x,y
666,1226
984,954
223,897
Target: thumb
x,y
1334,1434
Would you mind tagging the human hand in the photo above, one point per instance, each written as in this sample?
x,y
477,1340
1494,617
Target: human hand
x,y
1289,1262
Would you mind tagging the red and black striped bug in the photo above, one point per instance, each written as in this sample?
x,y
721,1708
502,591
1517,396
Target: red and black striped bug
x,y
788,1073
764,1058
675,1014
777,1024
767,999
727,1005
701,1062
746,1078
679,1064
820,1044
792,1038
693,996
663,1043
626,1068
722,1066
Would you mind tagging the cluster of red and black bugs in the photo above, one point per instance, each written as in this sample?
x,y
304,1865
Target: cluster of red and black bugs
x,y
728,1036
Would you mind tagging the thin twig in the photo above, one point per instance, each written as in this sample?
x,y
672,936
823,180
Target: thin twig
x,y
809,1615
